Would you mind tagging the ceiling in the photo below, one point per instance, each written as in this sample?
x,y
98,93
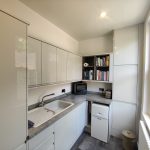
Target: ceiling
x,y
81,18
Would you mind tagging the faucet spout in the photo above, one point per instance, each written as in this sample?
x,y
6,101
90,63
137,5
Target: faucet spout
x,y
41,104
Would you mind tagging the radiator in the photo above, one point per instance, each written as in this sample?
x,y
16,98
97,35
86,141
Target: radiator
x,y
144,138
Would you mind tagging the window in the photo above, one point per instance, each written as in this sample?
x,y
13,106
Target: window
x,y
146,77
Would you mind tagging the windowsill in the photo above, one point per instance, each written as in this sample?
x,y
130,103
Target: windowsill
x,y
146,118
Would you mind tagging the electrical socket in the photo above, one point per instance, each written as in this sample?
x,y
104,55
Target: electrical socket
x,y
63,91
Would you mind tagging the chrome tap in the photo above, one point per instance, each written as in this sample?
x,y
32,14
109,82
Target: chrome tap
x,y
41,104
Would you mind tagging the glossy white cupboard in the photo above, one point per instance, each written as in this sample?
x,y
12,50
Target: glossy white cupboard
x,y
44,140
126,46
125,95
124,117
125,83
49,57
61,65
74,67
48,64
12,83
34,51
70,127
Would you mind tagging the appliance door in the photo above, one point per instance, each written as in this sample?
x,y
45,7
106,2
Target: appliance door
x,y
81,87
101,111
99,128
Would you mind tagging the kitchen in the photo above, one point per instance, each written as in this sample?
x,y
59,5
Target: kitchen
x,y
74,75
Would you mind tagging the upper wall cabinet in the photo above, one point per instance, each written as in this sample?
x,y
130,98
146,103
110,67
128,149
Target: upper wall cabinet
x,y
34,61
74,67
61,65
48,63
126,46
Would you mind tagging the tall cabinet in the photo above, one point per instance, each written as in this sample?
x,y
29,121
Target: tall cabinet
x,y
125,79
12,83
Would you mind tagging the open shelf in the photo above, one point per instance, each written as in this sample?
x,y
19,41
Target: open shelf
x,y
98,69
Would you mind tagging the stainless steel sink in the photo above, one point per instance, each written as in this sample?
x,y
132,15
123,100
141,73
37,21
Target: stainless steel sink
x,y
42,114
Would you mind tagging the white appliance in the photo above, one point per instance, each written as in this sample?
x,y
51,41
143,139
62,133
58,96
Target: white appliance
x,y
100,122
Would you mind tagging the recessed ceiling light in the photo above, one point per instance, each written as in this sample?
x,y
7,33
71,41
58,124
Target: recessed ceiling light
x,y
103,14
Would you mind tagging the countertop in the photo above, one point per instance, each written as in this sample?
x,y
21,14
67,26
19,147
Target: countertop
x,y
77,100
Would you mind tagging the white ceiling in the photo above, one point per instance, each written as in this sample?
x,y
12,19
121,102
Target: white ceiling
x,y
80,18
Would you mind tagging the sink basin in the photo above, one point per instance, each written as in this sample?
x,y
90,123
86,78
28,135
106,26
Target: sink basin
x,y
42,114
58,106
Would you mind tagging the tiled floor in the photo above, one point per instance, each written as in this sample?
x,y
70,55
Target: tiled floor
x,y
86,142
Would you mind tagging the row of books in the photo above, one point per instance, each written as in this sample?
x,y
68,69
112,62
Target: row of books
x,y
88,75
102,61
102,75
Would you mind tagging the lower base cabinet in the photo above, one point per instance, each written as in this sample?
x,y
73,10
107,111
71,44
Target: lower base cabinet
x,y
43,141
64,133
70,127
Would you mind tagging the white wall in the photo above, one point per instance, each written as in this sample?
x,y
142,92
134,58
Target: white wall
x,y
35,94
103,44
39,26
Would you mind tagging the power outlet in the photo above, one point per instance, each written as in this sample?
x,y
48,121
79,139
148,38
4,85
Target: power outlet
x,y
63,91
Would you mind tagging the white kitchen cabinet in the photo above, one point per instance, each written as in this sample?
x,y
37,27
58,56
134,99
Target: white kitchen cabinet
x,y
48,63
81,118
65,132
126,46
123,117
78,68
74,67
125,83
69,128
12,83
34,61
61,65
43,141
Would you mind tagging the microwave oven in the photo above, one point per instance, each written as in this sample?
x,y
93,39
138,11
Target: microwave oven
x,y
79,88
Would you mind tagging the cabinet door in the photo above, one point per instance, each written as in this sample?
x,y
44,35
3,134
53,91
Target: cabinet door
x,y
34,61
46,145
70,67
65,132
81,118
125,83
43,141
99,128
12,82
78,68
126,46
74,67
123,117
48,63
61,65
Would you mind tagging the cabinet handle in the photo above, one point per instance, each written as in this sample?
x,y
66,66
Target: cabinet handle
x,y
99,118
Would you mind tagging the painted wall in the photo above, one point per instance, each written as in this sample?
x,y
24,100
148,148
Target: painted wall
x,y
103,44
39,26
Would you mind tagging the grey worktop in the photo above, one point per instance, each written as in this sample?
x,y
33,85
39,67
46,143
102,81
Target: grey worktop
x,y
77,100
